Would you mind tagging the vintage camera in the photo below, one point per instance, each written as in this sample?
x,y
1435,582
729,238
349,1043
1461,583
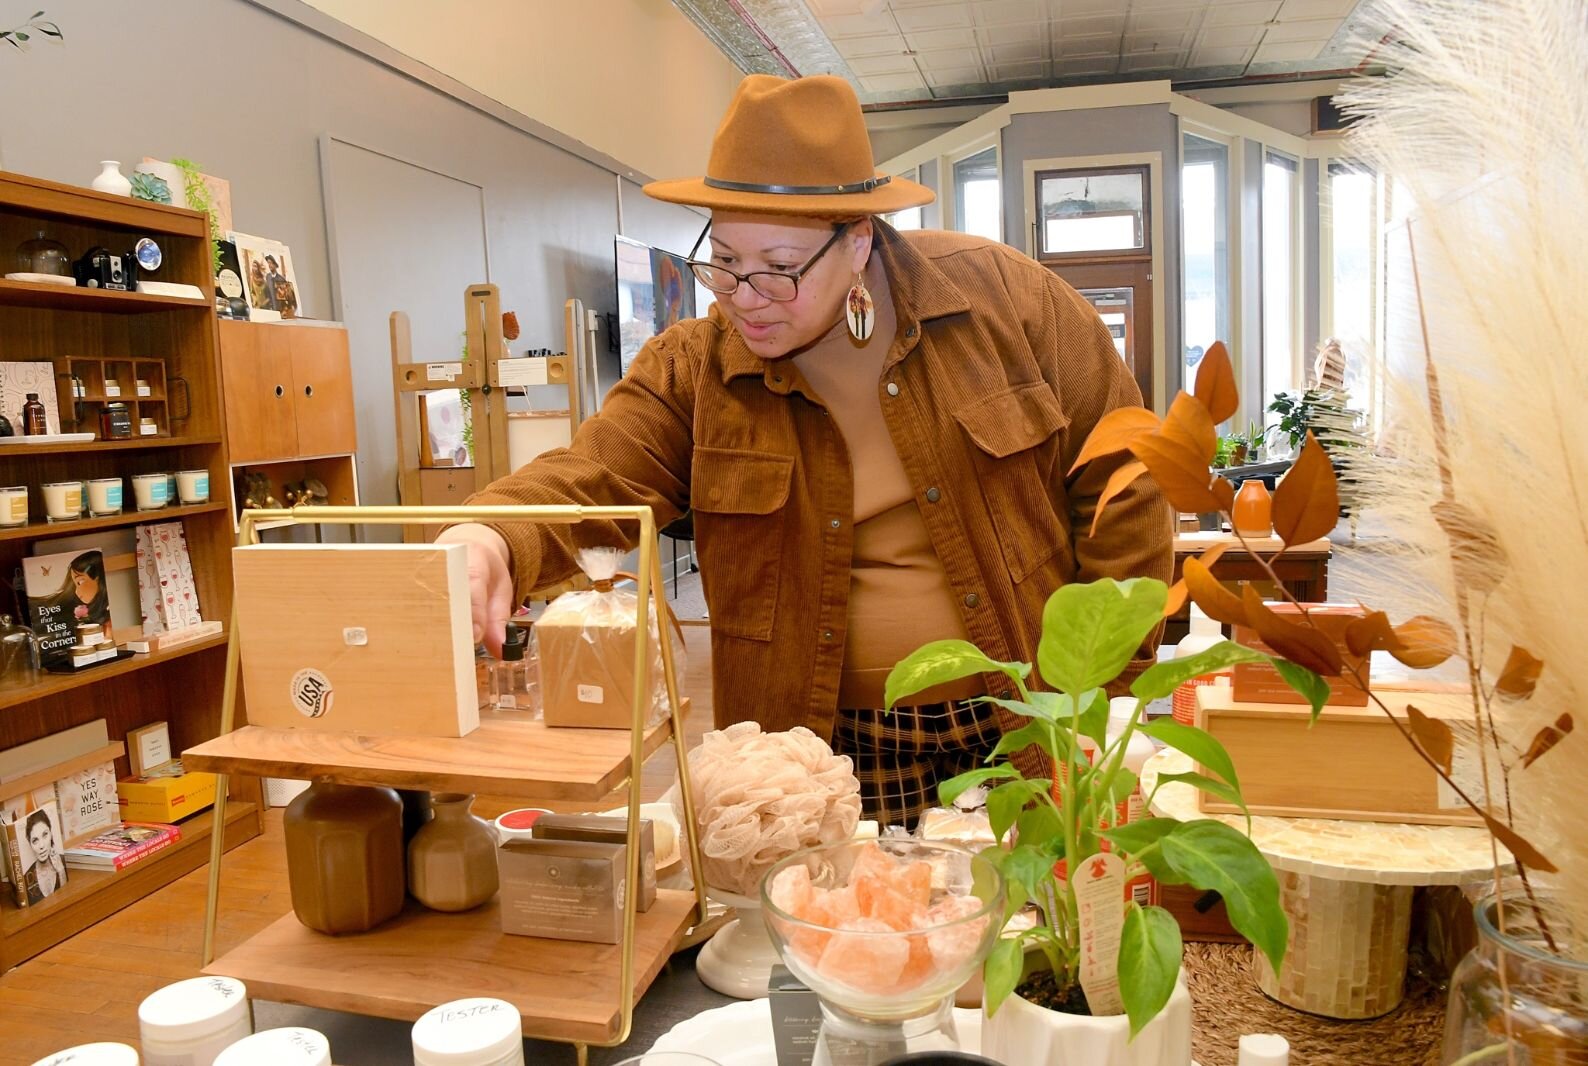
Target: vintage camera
x,y
99,269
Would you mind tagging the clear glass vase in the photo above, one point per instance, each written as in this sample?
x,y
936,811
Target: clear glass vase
x,y
1539,1016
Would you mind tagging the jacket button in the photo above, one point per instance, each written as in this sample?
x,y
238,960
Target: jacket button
x,y
910,332
972,600
893,388
827,634
835,523
932,495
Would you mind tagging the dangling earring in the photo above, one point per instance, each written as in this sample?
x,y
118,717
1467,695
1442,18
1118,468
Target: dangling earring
x,y
861,312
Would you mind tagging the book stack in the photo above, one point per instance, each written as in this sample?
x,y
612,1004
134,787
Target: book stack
x,y
121,845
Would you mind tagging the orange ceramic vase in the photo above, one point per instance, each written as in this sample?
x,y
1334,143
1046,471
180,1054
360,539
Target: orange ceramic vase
x,y
1253,515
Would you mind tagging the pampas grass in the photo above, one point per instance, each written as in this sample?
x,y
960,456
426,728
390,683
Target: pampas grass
x,y
1486,126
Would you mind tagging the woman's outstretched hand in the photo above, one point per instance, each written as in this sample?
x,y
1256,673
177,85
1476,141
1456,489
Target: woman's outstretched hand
x,y
490,581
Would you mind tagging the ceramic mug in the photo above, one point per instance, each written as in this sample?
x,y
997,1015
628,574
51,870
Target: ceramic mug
x,y
193,486
149,490
104,496
14,506
63,500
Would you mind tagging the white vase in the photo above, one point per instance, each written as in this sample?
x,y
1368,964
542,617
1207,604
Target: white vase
x,y
111,179
1031,1035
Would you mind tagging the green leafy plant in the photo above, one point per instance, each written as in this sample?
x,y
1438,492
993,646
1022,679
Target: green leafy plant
x,y
198,198
19,36
1323,413
1089,634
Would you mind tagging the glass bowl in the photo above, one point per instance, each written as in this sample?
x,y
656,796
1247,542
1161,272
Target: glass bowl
x,y
883,930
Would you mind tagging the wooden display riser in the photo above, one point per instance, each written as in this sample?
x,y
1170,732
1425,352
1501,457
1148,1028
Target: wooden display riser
x,y
91,895
505,757
565,990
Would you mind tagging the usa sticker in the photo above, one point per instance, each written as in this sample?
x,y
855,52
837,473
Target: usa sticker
x,y
311,693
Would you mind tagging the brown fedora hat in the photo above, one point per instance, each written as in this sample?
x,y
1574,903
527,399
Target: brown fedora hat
x,y
793,148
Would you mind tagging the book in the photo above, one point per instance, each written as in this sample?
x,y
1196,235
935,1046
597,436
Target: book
x,y
87,800
122,845
17,807
33,849
68,606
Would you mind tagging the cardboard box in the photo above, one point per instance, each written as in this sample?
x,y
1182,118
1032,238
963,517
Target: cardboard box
x,y
563,889
796,1018
587,671
1261,683
603,829
164,799
1352,763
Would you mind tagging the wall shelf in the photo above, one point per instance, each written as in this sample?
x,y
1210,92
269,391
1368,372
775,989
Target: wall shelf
x,y
89,525
8,451
77,298
54,684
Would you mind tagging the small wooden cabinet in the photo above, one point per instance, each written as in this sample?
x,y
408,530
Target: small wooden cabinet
x,y
289,407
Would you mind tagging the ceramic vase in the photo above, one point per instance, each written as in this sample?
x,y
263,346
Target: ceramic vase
x,y
1253,514
111,179
452,859
344,856
1031,1035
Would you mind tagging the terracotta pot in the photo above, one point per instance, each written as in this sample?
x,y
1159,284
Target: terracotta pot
x,y
452,860
1031,1035
344,856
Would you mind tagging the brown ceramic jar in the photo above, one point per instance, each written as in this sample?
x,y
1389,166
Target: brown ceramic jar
x,y
345,856
452,859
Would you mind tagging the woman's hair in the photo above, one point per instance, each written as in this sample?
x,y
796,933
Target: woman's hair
x,y
92,566
38,818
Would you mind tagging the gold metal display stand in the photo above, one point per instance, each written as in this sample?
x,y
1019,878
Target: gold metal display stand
x,y
405,967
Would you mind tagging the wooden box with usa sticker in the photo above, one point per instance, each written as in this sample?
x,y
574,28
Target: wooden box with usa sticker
x,y
371,639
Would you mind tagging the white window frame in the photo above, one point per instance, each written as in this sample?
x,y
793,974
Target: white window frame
x,y
1372,402
948,188
1297,281
1235,161
913,174
1153,161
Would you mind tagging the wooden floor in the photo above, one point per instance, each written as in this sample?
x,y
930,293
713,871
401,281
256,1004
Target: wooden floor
x,y
89,987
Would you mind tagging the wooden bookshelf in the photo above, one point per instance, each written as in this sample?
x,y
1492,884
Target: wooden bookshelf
x,y
43,323
90,895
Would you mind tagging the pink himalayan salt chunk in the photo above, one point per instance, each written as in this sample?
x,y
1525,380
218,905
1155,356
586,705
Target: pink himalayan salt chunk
x,y
953,945
825,907
872,862
916,883
869,964
894,908
790,891
919,966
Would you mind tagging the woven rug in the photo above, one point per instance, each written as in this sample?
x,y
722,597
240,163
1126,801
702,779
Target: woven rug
x,y
1226,1004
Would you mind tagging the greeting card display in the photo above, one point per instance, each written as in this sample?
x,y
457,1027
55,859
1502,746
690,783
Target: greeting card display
x,y
166,591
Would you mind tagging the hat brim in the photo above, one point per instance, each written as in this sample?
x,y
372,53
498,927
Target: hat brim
x,y
896,195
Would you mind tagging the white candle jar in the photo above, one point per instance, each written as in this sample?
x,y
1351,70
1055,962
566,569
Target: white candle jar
x,y
193,486
149,491
63,500
191,1022
14,506
104,496
293,1046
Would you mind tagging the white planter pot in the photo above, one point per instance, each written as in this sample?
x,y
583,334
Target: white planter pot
x,y
1025,1034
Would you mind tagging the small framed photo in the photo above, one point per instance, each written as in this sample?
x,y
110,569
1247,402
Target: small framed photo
x,y
269,283
148,748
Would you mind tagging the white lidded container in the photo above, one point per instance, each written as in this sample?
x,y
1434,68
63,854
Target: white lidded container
x,y
470,1032
1204,634
291,1046
1142,888
105,1054
191,1022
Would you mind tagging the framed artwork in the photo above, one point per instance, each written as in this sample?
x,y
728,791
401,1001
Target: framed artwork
x,y
446,427
19,379
269,284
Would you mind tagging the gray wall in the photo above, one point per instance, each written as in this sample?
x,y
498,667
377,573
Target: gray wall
x,y
247,95
1105,131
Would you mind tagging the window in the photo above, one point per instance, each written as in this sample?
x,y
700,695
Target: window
x,y
910,217
978,204
1352,222
1281,244
1204,246
1091,212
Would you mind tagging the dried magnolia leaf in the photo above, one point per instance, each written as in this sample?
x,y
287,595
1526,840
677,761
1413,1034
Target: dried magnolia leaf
x,y
1118,482
1434,736
1114,432
1183,477
1512,841
1547,738
1189,426
1369,633
1424,642
1475,550
1216,601
1297,641
1520,676
1216,383
1178,594
1307,501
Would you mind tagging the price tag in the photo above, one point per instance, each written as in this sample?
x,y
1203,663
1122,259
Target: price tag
x,y
525,371
112,390
591,694
443,371
1100,908
143,390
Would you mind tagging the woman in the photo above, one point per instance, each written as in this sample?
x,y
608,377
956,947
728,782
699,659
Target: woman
x,y
86,594
48,872
874,432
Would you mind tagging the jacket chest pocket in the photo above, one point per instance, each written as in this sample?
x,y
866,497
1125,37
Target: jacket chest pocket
x,y
1008,431
740,503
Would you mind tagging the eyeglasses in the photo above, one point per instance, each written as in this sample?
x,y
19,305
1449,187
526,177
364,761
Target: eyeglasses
x,y
772,284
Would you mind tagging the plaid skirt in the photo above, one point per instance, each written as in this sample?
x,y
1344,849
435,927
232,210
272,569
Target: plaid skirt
x,y
901,756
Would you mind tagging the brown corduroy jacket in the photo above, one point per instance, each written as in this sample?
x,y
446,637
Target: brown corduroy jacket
x,y
998,373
